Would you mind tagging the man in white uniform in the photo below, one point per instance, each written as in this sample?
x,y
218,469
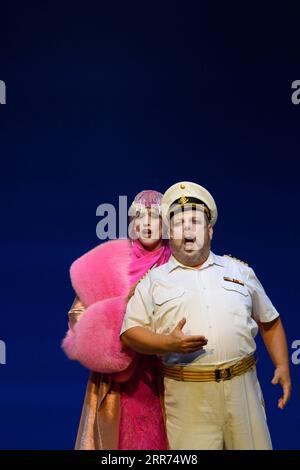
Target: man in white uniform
x,y
200,313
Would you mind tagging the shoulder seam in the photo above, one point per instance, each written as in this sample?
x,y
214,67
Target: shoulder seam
x,y
237,259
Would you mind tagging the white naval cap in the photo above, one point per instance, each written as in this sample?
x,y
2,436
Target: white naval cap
x,y
186,192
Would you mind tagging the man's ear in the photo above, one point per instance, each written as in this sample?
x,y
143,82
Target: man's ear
x,y
210,231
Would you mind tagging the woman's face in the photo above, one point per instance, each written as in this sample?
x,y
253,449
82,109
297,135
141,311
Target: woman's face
x,y
148,227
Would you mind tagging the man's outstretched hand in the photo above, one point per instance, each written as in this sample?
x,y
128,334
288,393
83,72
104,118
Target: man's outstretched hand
x,y
180,343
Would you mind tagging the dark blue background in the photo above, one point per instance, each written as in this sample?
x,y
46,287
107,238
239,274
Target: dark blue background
x,y
107,99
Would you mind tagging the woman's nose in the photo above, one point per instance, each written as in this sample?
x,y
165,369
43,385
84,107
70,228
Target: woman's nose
x,y
146,221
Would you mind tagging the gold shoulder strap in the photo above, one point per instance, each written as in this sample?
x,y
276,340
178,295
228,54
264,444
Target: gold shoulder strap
x,y
237,259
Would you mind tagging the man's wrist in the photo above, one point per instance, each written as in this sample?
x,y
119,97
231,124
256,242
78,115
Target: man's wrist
x,y
281,366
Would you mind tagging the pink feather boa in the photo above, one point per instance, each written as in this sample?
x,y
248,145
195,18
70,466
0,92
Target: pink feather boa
x,y
101,281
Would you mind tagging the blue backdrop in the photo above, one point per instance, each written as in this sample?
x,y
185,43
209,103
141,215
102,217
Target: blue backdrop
x,y
109,98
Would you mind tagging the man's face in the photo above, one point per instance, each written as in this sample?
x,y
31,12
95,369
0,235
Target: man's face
x,y
190,236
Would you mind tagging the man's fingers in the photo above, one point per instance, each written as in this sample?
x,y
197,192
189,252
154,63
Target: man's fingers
x,y
194,343
181,324
193,346
280,376
188,340
281,403
187,344
285,397
196,338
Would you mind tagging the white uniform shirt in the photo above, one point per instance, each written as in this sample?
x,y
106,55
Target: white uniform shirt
x,y
224,311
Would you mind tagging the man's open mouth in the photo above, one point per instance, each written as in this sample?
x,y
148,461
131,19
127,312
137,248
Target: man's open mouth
x,y
189,243
189,240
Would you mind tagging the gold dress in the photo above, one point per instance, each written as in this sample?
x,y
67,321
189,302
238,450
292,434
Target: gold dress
x,y
100,417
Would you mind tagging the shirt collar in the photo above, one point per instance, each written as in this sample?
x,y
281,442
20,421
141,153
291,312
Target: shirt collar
x,y
173,263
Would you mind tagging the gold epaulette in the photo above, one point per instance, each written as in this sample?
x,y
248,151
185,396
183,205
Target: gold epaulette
x,y
237,259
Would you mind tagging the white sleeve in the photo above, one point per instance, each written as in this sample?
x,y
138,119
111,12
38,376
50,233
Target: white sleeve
x,y
139,311
262,308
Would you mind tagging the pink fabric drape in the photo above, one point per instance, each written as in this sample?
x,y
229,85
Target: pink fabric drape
x,y
141,421
142,259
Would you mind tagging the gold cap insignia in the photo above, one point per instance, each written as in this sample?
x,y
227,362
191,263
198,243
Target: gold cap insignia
x,y
183,200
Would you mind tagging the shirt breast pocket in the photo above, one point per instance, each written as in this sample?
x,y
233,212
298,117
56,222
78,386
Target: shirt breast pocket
x,y
169,302
235,287
237,301
162,295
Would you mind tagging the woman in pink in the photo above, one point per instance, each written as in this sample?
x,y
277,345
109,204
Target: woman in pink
x,y
122,406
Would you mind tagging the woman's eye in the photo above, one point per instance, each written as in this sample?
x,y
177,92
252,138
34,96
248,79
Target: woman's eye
x,y
139,214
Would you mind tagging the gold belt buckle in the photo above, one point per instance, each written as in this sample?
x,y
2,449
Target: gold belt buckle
x,y
223,374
